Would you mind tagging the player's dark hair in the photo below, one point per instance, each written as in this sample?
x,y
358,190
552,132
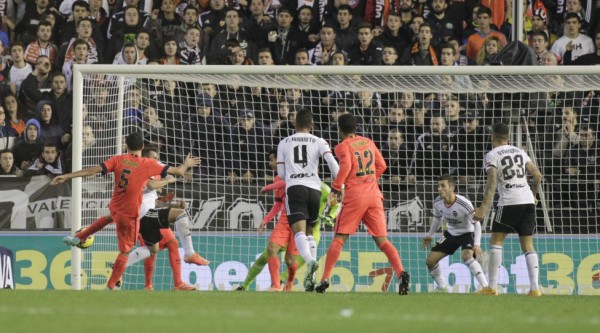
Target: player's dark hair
x,y
149,148
304,119
347,123
448,178
135,141
500,131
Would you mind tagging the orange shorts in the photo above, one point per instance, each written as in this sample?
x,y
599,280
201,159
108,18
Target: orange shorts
x,y
358,208
283,236
128,229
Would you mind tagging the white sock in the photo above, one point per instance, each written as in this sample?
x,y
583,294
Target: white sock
x,y
138,254
303,246
494,262
438,276
182,226
477,272
312,246
531,258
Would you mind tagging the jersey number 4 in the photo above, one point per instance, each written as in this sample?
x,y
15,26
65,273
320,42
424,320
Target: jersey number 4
x,y
364,169
512,166
301,155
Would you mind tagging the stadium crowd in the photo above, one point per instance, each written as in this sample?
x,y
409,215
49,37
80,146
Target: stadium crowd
x,y
421,135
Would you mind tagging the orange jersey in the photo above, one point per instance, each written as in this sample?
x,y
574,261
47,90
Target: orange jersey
x,y
476,41
131,175
361,164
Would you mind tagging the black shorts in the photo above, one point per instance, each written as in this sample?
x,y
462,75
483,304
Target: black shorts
x,y
449,244
515,218
302,203
152,222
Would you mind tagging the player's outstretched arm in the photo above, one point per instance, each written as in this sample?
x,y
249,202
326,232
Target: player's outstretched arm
x,y
536,179
488,195
81,173
190,161
155,184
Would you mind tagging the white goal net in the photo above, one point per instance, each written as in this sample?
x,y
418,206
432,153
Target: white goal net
x,y
426,121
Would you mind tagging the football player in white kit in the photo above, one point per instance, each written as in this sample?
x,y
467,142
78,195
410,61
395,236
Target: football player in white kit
x,y
462,231
298,164
507,168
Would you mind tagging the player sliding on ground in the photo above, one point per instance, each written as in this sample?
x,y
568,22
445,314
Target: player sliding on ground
x,y
507,168
132,172
361,165
155,234
462,231
282,236
298,164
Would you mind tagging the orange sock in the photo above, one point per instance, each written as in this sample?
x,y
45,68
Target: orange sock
x,y
149,269
274,270
175,260
332,256
393,257
118,270
292,272
93,228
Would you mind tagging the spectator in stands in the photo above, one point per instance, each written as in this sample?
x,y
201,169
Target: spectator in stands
x,y
14,115
207,134
232,30
257,21
394,119
433,154
36,84
151,122
339,58
581,163
539,43
345,29
69,29
395,152
444,25
422,53
42,45
307,25
415,25
580,44
365,52
56,22
62,101
491,47
100,15
20,69
7,164
53,133
452,114
476,40
236,56
566,135
389,56
393,34
586,59
119,20
127,56
285,38
133,109
459,59
164,23
212,21
81,51
248,144
84,32
549,59
367,106
301,57
49,163
471,143
538,25
132,24
190,52
190,19
8,135
321,53
26,28
265,57
170,51
30,147
142,44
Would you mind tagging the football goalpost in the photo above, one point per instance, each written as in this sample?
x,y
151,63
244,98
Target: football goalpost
x,y
426,120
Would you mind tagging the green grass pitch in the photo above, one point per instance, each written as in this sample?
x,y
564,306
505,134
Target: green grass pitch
x,y
173,312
